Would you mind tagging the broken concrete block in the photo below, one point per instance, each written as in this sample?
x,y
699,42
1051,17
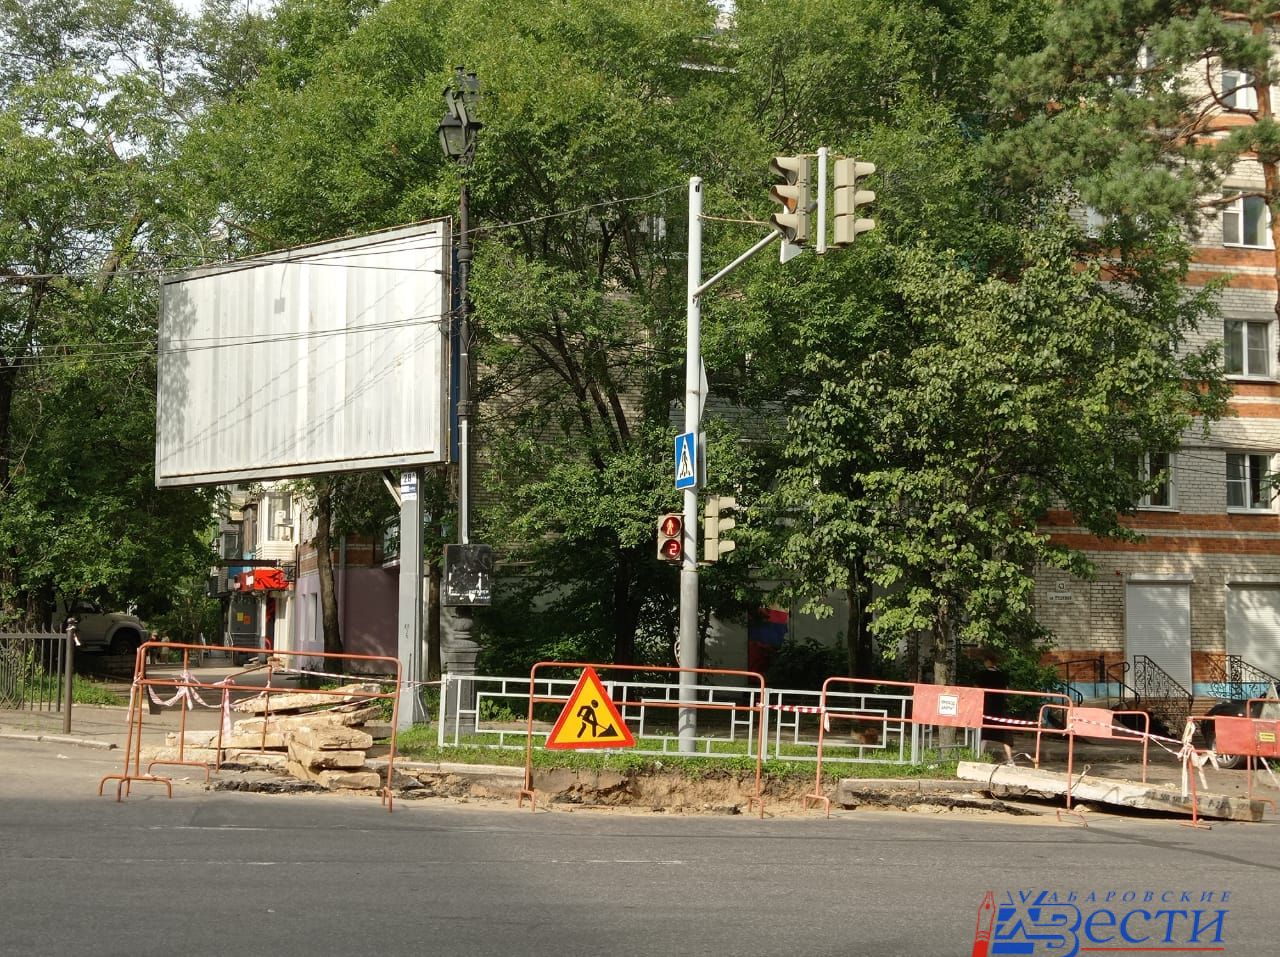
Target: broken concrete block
x,y
354,780
315,758
331,738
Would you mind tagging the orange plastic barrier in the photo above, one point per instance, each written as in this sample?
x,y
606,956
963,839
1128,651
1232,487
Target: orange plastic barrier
x,y
188,688
954,707
1251,737
1095,723
757,709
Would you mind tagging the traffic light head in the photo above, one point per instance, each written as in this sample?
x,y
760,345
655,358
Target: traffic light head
x,y
671,537
850,200
714,525
792,194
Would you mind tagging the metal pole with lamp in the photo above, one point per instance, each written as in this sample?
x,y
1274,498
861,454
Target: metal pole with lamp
x,y
468,567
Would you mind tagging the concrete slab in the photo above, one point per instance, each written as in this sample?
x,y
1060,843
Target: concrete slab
x,y
1130,795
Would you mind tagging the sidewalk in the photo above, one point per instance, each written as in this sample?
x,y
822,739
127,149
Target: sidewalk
x,y
106,727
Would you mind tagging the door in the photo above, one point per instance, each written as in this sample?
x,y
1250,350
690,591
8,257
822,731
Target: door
x,y
1157,623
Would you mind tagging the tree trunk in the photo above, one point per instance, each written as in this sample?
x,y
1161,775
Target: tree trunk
x,y
8,376
943,674
858,640
1270,175
625,612
324,564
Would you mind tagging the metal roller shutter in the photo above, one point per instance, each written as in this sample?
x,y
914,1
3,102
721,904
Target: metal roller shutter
x,y
1157,623
1253,625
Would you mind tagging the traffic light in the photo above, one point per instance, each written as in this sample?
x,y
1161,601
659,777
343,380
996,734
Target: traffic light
x,y
714,525
793,194
849,198
671,537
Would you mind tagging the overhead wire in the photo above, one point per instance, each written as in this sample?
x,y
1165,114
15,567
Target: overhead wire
x,y
281,257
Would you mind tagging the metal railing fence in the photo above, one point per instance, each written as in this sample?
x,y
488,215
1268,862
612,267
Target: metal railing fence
x,y
488,711
36,673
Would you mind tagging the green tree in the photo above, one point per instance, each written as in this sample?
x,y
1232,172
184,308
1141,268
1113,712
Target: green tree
x,y
1142,109
93,96
964,367
590,109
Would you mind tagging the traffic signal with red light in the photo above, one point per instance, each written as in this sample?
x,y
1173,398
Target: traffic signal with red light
x,y
671,537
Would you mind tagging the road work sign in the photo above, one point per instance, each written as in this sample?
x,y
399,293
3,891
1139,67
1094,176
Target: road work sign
x,y
589,719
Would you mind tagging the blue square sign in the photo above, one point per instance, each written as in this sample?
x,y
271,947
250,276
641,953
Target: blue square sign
x,y
687,460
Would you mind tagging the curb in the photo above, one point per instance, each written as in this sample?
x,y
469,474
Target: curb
x,y
60,739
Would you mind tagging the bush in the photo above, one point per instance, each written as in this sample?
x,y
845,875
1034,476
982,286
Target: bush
x,y
805,664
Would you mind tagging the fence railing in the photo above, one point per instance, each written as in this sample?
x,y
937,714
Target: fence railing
x,y
489,712
1230,676
36,673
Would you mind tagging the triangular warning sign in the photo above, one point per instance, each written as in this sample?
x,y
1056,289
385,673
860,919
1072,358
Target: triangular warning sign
x,y
589,719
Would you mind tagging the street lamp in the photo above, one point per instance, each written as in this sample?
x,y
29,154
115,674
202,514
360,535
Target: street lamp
x,y
457,130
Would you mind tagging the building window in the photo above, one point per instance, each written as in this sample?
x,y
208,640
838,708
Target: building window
x,y
1237,90
1246,221
1249,479
1248,347
1158,464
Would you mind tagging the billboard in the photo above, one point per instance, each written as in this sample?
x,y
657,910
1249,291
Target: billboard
x,y
324,358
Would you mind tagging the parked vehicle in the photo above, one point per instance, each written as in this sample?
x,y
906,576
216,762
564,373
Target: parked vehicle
x,y
113,632
1234,708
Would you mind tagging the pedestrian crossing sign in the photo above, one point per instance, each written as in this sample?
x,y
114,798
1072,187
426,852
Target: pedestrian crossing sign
x,y
589,719
687,460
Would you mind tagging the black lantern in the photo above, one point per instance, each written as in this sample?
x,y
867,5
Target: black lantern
x,y
459,126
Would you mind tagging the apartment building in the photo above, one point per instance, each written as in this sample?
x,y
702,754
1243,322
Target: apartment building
x,y
1194,607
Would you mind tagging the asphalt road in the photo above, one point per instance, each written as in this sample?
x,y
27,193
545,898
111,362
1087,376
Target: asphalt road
x,y
248,874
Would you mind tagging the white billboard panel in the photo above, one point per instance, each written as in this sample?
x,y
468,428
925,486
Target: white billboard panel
x,y
325,358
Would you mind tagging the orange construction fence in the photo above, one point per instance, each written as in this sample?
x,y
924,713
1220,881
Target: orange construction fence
x,y
756,684
1095,723
956,706
188,686
1252,738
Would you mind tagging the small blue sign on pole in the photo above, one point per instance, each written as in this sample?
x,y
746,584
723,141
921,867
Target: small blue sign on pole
x,y
687,460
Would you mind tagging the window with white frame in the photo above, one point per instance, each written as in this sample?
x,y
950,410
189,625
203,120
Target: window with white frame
x,y
1237,89
1246,221
1247,347
1157,465
1249,481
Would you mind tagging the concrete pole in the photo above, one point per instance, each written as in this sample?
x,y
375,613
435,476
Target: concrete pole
x,y
687,649
409,615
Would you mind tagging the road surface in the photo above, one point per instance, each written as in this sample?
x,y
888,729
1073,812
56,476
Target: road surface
x,y
215,872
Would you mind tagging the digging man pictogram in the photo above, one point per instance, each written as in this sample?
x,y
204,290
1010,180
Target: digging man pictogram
x,y
587,714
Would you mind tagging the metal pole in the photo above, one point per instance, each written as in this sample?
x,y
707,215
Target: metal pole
x,y
822,201
69,679
464,372
687,726
409,615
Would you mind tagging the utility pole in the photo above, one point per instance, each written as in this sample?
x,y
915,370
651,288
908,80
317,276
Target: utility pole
x,y
687,648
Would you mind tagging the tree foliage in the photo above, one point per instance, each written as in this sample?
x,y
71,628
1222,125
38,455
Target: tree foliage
x,y
93,99
898,418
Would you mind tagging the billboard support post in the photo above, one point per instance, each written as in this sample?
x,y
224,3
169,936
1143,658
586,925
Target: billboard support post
x,y
409,615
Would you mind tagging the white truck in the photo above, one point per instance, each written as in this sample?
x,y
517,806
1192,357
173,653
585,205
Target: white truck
x,y
115,632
